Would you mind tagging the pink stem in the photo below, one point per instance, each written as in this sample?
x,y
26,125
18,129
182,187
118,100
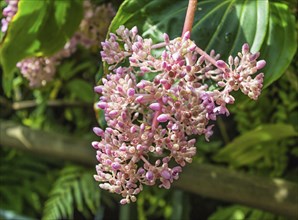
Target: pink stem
x,y
156,114
190,15
207,57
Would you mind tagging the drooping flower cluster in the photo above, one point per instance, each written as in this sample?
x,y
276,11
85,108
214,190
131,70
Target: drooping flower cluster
x,y
151,122
92,29
8,12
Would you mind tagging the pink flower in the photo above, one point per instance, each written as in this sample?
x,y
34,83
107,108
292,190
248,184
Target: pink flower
x,y
150,122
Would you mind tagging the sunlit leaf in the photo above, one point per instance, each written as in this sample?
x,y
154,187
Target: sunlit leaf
x,y
248,147
39,28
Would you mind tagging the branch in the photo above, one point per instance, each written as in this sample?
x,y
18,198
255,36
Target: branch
x,y
52,103
275,195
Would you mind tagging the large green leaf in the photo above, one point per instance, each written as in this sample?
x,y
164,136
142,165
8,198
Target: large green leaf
x,y
248,147
40,28
281,42
220,25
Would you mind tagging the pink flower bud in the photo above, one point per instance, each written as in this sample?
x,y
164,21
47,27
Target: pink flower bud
x,y
139,99
245,48
186,36
155,106
98,89
163,117
166,174
149,175
102,105
95,144
130,92
221,64
98,131
113,113
116,166
261,64
166,38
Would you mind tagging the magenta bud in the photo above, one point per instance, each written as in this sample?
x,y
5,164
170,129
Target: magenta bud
x,y
94,144
142,127
139,147
116,166
167,86
261,64
176,170
163,117
133,129
255,56
191,142
166,38
188,68
123,115
139,99
134,30
141,85
149,175
163,81
155,106
141,171
113,113
186,36
98,89
102,105
132,60
245,48
123,201
166,174
144,69
164,64
221,64
98,131
130,92
176,56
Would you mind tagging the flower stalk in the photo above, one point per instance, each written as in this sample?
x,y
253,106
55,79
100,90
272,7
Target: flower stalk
x,y
190,15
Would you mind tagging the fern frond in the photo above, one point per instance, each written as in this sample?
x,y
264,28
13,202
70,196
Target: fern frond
x,y
74,189
23,184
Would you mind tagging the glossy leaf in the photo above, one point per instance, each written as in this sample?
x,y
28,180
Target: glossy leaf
x,y
220,25
281,42
39,28
248,147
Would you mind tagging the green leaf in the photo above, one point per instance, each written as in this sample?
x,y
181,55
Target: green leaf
x,y
220,25
223,26
248,147
40,28
81,89
281,42
73,188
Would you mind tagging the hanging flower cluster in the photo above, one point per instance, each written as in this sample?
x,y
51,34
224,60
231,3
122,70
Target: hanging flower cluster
x,y
8,12
92,30
151,122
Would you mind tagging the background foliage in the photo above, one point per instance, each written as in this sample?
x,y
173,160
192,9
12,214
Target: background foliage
x,y
259,138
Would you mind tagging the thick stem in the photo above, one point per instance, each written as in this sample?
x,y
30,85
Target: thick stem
x,y
190,15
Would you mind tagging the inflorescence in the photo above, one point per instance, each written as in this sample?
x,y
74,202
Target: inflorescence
x,y
92,29
151,123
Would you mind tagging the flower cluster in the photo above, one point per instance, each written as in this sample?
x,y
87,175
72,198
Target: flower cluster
x,y
151,123
8,12
92,29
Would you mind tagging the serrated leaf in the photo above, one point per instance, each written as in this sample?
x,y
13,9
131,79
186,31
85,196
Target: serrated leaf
x,y
38,28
